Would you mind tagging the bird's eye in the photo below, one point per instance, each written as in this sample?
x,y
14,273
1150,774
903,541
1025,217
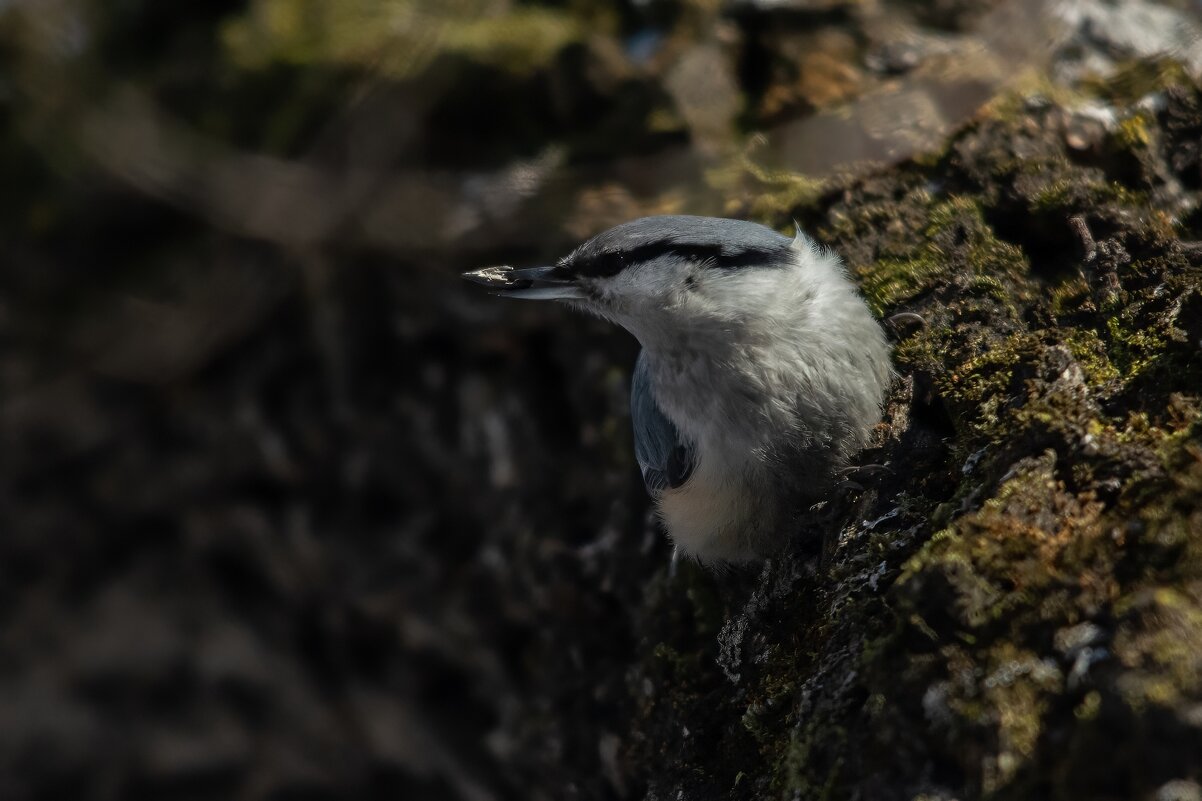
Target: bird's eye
x,y
600,265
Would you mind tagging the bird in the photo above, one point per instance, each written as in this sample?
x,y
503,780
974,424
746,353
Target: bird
x,y
762,371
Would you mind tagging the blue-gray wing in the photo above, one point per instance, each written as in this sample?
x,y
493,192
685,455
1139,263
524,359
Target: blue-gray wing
x,y
664,458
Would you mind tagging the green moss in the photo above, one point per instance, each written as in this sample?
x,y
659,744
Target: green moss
x,y
987,375
956,240
1090,352
974,373
1000,555
397,37
1073,193
1158,640
1136,80
1013,105
891,282
1134,131
519,42
1070,297
797,767
1036,554
1132,348
1015,694
773,193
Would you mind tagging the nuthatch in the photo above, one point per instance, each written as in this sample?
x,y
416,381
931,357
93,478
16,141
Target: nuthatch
x,y
762,371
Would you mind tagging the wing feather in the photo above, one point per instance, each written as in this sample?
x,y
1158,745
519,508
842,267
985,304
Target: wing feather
x,y
665,459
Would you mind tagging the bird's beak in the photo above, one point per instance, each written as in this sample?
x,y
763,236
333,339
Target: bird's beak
x,y
534,283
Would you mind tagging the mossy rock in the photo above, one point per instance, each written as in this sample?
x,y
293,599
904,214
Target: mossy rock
x,y
1019,598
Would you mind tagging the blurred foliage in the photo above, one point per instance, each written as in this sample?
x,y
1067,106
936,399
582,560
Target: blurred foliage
x,y
400,38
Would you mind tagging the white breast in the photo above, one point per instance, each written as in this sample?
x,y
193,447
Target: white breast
x,y
715,516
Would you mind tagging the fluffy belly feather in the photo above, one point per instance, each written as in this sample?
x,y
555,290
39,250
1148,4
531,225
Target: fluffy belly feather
x,y
713,516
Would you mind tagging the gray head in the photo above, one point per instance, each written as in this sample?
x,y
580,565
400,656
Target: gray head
x,y
647,270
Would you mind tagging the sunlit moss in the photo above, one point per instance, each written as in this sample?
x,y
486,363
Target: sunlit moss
x,y
1072,192
772,193
1136,79
1090,352
1132,349
521,41
958,223
1014,101
891,282
1005,551
1158,640
1016,693
398,37
1133,131
1071,296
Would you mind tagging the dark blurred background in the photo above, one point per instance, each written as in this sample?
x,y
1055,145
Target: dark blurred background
x,y
286,511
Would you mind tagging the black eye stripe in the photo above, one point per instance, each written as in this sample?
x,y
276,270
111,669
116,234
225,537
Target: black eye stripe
x,y
607,264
